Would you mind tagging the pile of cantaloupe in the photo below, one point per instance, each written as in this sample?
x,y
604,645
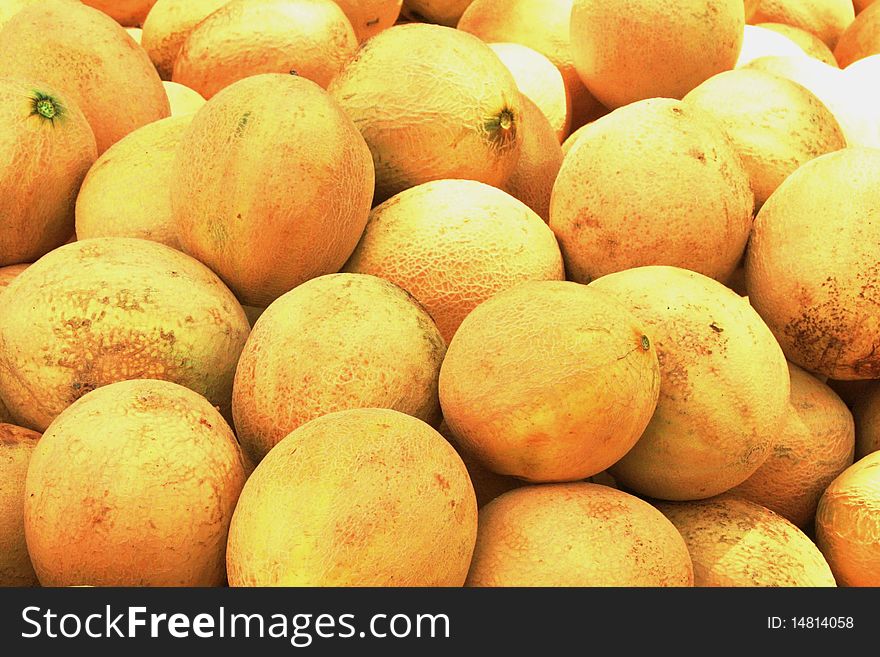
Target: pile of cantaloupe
x,y
440,293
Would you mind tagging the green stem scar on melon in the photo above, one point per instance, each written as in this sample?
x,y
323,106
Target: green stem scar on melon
x,y
46,107
502,126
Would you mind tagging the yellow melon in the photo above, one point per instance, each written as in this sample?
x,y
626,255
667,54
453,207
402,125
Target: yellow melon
x,y
127,193
135,309
630,50
549,381
817,285
263,228
337,342
653,183
577,534
311,38
848,524
457,116
142,478
90,58
365,497
724,385
453,244
737,543
827,19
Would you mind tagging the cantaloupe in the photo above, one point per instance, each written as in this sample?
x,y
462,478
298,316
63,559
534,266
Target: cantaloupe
x,y
724,385
457,116
736,543
87,56
760,41
817,285
337,342
540,81
549,381
182,99
630,50
453,244
127,193
861,39
134,309
268,224
848,524
654,183
365,497
311,38
774,124
442,12
808,42
142,478
577,534
47,148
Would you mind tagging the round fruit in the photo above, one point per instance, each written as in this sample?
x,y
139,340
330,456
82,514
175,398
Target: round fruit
x,y
453,244
549,381
337,342
656,182
760,41
544,26
724,385
861,5
142,478
629,50
268,224
369,17
309,38
443,12
814,446
366,497
16,446
127,192
866,411
168,25
539,162
539,81
861,39
848,524
182,99
817,284
738,543
576,534
130,13
133,310
89,58
47,147
457,116
774,124
827,19
808,42
832,86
